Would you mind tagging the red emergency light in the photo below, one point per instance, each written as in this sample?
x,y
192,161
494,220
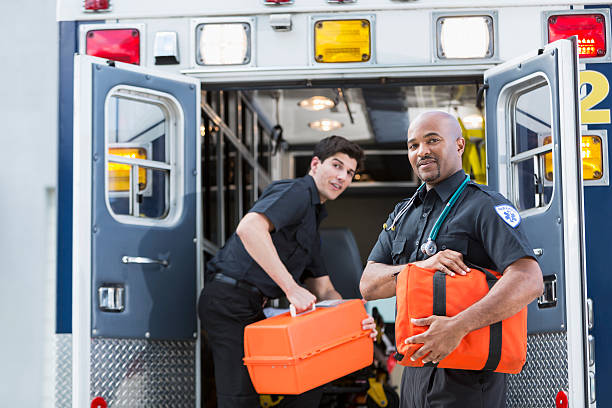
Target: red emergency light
x,y
277,2
590,29
118,45
97,5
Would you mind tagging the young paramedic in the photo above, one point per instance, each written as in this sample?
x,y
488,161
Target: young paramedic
x,y
481,227
275,246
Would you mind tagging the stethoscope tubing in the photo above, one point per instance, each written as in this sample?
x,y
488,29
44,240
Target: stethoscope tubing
x,y
438,224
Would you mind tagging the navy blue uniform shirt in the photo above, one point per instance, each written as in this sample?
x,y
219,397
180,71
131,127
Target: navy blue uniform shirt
x,y
482,225
294,208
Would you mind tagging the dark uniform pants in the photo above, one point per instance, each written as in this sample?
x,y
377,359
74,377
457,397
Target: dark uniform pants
x,y
430,387
225,311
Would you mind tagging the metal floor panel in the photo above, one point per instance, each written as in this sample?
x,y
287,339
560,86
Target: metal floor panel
x,y
544,374
134,373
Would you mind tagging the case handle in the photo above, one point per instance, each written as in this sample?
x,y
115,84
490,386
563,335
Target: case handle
x,y
294,313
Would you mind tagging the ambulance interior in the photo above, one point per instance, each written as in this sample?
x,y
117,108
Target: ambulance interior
x,y
377,118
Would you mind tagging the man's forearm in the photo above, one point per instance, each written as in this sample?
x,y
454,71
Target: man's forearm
x,y
255,236
519,285
378,280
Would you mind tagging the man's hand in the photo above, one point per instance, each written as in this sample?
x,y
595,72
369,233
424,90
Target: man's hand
x,y
369,324
442,337
300,298
448,261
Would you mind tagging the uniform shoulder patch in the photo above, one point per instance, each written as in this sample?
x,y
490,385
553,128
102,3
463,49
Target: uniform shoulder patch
x,y
509,214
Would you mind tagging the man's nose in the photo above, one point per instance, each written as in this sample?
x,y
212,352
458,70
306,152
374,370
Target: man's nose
x,y
423,150
342,175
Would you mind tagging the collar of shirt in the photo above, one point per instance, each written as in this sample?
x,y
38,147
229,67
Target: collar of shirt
x,y
445,188
315,198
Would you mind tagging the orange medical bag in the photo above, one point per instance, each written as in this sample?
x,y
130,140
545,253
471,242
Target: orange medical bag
x,y
500,347
291,355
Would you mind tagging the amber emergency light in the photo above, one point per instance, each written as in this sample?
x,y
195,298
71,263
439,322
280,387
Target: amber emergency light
x,y
121,45
590,29
119,174
342,41
592,158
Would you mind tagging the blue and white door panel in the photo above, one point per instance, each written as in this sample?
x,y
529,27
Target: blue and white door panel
x,y
534,159
136,254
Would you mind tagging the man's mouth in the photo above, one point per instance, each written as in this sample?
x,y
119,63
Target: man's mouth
x,y
336,186
426,162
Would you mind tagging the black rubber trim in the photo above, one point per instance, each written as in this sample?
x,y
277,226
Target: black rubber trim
x,y
439,294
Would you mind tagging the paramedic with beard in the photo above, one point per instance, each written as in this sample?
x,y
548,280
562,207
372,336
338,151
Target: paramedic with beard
x,y
482,228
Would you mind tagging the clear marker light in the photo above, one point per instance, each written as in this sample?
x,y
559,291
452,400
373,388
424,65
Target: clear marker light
x,y
224,44
465,37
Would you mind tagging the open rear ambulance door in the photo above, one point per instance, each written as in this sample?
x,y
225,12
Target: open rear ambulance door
x,y
534,159
136,237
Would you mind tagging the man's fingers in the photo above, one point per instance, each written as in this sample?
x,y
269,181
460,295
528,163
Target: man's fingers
x,y
425,321
457,259
419,353
374,333
446,270
455,267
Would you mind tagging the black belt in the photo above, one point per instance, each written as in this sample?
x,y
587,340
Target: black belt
x,y
219,277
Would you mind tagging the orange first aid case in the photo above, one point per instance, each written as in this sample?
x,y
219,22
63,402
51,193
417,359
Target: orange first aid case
x,y
500,347
291,355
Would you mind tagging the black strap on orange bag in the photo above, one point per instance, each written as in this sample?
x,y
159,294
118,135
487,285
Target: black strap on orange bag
x,y
439,309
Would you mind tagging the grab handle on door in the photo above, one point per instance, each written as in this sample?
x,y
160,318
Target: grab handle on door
x,y
143,260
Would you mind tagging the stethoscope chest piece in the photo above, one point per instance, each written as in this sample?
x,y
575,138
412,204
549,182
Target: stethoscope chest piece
x,y
429,248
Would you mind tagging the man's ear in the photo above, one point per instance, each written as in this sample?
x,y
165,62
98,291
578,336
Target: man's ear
x,y
314,164
460,145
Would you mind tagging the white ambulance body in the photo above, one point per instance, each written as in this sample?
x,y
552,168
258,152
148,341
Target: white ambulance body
x,y
173,117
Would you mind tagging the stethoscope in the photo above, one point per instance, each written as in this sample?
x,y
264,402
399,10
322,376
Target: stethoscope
x,y
430,248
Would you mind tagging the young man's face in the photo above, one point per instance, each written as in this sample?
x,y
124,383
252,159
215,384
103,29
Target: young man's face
x,y
434,150
333,175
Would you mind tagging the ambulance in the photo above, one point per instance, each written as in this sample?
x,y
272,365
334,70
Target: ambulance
x,y
174,116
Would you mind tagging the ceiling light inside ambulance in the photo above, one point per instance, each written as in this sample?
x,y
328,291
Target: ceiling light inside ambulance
x,y
118,45
590,29
325,125
316,103
465,37
277,2
224,44
342,41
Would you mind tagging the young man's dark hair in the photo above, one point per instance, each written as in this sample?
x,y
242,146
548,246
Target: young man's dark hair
x,y
335,144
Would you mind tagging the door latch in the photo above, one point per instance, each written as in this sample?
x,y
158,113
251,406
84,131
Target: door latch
x,y
111,298
549,296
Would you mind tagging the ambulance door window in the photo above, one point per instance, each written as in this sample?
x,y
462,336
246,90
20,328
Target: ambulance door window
x,y
140,140
531,160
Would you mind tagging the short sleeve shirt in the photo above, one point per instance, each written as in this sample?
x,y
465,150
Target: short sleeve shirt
x,y
482,225
294,208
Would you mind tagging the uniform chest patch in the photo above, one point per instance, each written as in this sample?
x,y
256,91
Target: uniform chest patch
x,y
508,214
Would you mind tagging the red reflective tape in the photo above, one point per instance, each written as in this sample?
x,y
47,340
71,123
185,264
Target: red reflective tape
x,y
98,402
